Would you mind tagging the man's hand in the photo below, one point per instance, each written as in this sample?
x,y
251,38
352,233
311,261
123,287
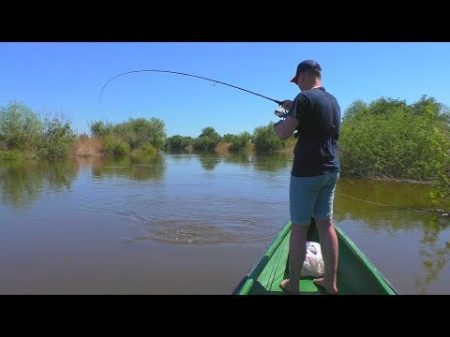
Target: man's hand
x,y
277,123
284,108
287,104
281,112
285,128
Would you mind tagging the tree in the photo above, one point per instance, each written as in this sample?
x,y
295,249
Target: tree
x,y
385,106
20,128
207,141
178,143
57,139
209,132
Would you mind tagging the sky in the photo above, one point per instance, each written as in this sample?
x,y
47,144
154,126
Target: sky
x,y
65,79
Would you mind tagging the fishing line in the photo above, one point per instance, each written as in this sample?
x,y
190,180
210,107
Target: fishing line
x,y
190,75
367,201
385,205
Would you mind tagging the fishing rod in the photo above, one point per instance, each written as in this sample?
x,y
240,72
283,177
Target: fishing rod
x,y
185,74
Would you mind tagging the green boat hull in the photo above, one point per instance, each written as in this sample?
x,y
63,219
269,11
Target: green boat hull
x,y
356,274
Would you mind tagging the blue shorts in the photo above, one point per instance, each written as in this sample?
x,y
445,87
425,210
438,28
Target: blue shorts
x,y
312,197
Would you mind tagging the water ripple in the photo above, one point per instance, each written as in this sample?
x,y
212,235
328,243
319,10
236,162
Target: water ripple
x,y
195,232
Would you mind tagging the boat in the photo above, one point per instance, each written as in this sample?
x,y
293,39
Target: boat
x,y
356,273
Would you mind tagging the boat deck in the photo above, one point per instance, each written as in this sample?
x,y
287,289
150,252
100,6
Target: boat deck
x,y
356,274
268,282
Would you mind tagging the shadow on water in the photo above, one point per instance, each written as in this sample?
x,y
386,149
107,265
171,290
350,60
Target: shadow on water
x,y
23,183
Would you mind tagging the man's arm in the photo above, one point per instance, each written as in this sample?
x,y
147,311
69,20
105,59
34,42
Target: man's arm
x,y
285,128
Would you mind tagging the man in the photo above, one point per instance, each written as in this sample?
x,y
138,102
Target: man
x,y
316,115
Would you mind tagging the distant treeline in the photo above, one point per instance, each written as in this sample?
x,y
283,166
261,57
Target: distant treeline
x,y
24,134
137,132
386,138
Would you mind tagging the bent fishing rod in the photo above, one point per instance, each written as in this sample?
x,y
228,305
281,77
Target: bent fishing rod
x,y
190,75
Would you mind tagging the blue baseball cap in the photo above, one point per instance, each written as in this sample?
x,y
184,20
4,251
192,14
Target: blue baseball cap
x,y
305,66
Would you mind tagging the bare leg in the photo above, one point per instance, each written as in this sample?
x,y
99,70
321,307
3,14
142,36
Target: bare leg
x,y
297,252
330,247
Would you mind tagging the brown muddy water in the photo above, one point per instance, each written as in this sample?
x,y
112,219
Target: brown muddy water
x,y
192,224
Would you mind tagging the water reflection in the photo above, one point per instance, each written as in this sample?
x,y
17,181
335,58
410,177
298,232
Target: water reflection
x,y
273,162
387,193
261,162
147,168
403,212
378,203
22,183
179,157
241,158
209,161
435,253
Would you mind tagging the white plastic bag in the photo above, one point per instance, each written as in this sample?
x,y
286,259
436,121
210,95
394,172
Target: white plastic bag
x,y
313,265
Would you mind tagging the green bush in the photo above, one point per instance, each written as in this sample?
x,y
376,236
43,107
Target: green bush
x,y
389,138
146,150
137,132
204,144
114,146
57,139
178,143
13,155
266,140
229,138
100,129
20,128
441,193
134,132
239,142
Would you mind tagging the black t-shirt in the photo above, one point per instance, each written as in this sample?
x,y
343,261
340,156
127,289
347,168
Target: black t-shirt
x,y
319,116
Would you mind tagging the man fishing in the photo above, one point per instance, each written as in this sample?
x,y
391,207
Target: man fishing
x,y
316,115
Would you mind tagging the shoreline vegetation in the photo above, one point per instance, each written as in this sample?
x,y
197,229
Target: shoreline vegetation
x,y
386,139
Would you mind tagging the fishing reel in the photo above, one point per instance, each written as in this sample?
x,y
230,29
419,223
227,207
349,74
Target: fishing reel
x,y
281,112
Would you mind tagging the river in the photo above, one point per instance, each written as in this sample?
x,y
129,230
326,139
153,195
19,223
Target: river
x,y
192,224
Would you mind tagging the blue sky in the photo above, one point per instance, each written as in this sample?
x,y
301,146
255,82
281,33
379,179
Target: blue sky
x,y
65,79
